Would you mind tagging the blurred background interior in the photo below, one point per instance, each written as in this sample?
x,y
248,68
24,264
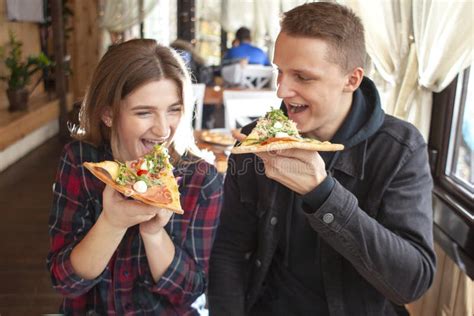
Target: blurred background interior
x,y
66,38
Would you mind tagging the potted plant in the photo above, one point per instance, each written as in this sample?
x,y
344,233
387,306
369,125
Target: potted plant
x,y
20,73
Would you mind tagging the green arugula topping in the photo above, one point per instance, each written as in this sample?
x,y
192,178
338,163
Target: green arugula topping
x,y
276,115
275,121
156,160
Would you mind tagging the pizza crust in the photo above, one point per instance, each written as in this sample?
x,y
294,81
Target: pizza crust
x,y
107,172
281,145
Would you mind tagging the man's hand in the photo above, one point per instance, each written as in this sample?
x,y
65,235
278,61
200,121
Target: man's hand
x,y
298,169
238,135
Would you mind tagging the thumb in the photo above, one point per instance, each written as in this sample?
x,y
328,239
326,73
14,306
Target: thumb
x,y
238,135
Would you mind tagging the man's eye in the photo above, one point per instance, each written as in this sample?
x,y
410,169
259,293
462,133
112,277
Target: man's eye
x,y
302,78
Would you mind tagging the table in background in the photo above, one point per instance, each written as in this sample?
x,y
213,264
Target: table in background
x,y
220,152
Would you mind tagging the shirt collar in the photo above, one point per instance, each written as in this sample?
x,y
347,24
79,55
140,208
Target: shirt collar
x,y
352,161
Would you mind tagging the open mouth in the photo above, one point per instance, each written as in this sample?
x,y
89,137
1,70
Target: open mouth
x,y
150,143
295,108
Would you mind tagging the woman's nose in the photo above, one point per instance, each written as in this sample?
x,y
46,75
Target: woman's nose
x,y
161,127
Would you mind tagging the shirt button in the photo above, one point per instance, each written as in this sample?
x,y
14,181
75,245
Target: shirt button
x,y
273,221
258,263
328,218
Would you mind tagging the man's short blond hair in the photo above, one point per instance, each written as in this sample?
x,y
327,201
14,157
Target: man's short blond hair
x,y
333,23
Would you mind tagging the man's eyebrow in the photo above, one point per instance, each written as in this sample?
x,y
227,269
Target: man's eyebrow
x,y
305,72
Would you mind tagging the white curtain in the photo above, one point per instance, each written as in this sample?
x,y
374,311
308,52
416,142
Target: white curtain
x,y
418,47
287,5
119,15
266,24
237,13
262,17
443,47
388,35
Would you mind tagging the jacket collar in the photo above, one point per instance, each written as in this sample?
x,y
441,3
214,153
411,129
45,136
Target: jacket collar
x,y
352,161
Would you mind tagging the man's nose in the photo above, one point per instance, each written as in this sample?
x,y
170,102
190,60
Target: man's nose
x,y
284,88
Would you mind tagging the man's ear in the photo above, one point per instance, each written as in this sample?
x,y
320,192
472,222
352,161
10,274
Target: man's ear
x,y
354,78
107,117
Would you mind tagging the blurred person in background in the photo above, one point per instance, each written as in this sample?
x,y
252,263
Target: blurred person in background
x,y
200,73
243,49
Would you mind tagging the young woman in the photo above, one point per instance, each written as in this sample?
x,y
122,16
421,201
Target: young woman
x,y
113,255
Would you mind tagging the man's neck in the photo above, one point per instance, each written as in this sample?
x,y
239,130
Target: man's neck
x,y
327,131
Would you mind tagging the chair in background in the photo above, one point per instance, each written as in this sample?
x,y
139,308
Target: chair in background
x,y
198,94
248,76
257,76
241,106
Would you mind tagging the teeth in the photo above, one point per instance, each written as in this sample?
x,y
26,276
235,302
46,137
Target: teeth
x,y
295,107
153,142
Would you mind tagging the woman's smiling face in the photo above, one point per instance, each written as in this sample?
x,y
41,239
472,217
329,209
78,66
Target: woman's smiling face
x,y
149,115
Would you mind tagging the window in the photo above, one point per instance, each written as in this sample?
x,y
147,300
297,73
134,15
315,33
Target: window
x,y
453,137
460,162
451,148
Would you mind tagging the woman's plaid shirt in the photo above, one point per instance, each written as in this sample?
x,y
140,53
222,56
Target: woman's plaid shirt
x,y
126,286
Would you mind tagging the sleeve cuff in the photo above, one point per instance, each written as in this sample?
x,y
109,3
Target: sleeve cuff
x,y
66,280
314,199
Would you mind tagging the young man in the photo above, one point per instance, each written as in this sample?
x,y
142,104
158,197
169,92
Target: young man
x,y
244,49
345,233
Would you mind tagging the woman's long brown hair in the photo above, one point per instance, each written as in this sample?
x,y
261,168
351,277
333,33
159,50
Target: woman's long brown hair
x,y
124,68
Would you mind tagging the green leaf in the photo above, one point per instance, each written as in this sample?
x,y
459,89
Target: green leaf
x,y
20,72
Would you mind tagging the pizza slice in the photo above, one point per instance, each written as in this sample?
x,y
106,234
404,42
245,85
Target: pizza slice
x,y
148,179
275,131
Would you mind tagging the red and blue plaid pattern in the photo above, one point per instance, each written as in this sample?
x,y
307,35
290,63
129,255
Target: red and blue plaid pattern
x,y
126,286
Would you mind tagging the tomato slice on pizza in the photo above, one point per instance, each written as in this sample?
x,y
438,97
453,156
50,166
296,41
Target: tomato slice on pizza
x,y
275,131
148,179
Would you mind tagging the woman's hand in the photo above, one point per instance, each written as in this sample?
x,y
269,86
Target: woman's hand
x,y
122,213
156,224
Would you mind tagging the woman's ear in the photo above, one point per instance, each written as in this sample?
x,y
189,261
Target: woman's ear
x,y
354,78
107,117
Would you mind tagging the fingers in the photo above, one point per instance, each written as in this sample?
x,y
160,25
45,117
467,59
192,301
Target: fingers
x,y
295,154
162,217
164,213
146,218
298,153
108,191
238,135
116,199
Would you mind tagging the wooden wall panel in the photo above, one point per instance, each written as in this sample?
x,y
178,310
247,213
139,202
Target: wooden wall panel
x,y
451,294
84,46
28,33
